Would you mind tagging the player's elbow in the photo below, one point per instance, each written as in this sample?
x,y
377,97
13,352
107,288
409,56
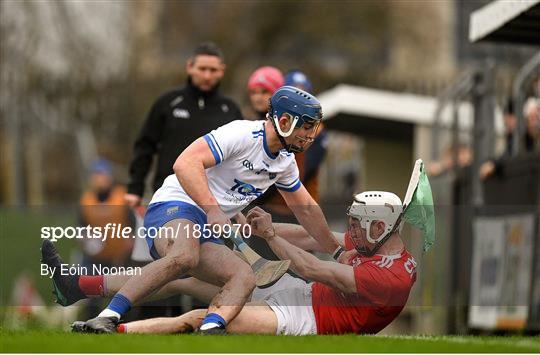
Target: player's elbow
x,y
181,163
191,158
178,165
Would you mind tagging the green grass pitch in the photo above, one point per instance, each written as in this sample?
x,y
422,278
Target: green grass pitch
x,y
62,342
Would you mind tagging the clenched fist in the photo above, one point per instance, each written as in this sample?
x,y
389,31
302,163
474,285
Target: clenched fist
x,y
261,223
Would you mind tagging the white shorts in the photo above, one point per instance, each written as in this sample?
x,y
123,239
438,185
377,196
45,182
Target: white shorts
x,y
290,299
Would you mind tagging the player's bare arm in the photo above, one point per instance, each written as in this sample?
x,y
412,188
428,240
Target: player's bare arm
x,y
308,266
189,169
299,236
311,217
295,234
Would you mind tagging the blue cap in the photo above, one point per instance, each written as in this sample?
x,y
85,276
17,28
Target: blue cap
x,y
101,166
299,80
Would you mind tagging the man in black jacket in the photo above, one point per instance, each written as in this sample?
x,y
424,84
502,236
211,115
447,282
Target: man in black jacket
x,y
179,117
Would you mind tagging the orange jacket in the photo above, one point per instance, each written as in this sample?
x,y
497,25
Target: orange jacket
x,y
98,214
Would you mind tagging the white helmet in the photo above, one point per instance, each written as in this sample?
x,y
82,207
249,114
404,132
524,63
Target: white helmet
x,y
372,206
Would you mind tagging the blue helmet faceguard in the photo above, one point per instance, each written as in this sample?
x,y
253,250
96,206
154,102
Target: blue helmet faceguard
x,y
300,107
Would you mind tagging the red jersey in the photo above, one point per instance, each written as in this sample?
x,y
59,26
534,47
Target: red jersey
x,y
383,283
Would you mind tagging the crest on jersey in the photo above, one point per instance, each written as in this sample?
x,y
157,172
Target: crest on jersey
x,y
172,210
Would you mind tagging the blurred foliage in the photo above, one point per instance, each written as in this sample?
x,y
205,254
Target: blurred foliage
x,y
332,41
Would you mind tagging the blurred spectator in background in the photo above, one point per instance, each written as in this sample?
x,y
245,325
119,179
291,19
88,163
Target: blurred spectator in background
x,y
299,80
261,86
180,116
446,163
536,87
510,127
531,111
101,204
493,166
531,139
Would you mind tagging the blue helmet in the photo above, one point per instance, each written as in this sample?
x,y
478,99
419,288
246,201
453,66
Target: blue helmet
x,y
298,79
300,106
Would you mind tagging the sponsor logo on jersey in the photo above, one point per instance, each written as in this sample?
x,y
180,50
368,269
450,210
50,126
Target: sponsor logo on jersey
x,y
246,189
237,199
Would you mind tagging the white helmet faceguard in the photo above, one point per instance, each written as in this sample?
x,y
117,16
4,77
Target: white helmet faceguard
x,y
372,206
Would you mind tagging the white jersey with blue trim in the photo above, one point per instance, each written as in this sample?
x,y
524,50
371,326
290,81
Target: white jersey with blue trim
x,y
245,168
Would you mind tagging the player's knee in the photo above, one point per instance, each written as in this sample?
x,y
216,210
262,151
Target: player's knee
x,y
246,275
184,261
197,313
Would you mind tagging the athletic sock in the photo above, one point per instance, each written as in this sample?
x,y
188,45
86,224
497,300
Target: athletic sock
x,y
118,306
109,313
213,320
92,286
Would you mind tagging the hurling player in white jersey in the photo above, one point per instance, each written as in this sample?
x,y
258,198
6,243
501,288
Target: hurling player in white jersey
x,y
215,178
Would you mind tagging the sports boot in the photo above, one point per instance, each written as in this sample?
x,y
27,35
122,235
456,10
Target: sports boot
x,y
65,287
96,325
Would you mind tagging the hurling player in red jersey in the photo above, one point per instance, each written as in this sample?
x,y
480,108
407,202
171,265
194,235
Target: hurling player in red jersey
x,y
361,295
